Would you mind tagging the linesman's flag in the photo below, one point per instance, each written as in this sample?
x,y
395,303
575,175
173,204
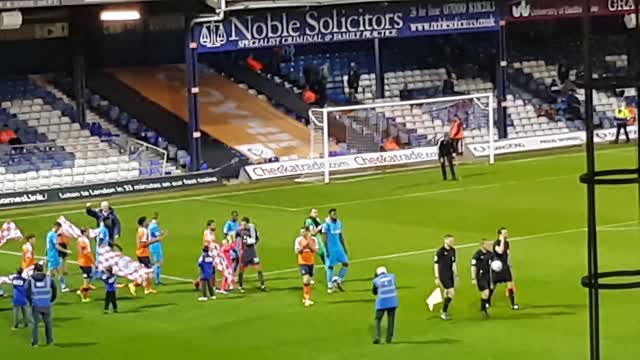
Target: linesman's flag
x,y
9,231
434,299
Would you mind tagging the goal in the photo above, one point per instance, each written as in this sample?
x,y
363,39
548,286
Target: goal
x,y
351,139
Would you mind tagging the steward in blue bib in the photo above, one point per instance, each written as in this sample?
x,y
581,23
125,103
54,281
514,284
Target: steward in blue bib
x,y
42,293
386,292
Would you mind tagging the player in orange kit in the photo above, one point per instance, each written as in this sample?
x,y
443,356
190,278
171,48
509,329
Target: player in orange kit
x,y
208,240
306,248
144,256
28,254
86,262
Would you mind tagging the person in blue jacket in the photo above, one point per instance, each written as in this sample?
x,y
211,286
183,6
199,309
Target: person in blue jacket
x,y
20,301
386,292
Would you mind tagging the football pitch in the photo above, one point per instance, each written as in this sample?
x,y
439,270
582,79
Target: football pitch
x,y
396,220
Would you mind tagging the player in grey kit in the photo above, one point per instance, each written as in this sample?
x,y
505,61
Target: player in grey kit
x,y
247,239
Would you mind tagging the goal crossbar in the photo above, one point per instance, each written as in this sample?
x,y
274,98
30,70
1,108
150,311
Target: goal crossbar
x,y
320,117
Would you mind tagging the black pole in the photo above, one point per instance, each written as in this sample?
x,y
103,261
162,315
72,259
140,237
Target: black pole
x,y
377,54
501,79
78,29
592,236
194,135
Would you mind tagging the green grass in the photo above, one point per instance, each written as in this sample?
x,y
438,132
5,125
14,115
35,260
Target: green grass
x,y
540,200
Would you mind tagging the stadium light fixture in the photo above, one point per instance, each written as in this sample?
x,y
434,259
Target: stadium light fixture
x,y
120,15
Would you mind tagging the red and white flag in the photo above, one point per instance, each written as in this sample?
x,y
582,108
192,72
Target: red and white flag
x,y
121,264
9,231
72,231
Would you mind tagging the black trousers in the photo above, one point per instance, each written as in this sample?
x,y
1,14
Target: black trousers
x,y
619,127
457,144
110,299
443,166
207,284
391,323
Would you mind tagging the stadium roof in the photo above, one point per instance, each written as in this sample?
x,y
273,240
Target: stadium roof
x,y
22,4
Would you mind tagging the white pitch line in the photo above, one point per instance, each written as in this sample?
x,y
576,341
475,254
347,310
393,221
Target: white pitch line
x,y
433,192
256,205
397,255
154,202
285,187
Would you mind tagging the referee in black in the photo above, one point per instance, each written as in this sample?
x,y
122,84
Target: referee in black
x,y
481,274
446,273
502,251
446,154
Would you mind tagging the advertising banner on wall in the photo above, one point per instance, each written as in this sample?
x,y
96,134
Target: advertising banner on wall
x,y
528,10
545,142
164,183
284,27
347,162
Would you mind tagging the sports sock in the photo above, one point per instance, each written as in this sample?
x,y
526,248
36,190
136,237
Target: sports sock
x,y
241,279
306,291
512,296
483,304
490,296
156,273
329,276
447,301
261,278
343,272
63,283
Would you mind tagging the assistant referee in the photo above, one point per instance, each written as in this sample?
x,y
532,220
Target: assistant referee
x,y
446,154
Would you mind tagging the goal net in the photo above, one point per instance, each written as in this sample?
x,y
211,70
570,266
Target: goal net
x,y
360,138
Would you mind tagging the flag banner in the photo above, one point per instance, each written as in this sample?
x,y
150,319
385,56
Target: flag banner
x,y
434,299
122,265
26,273
72,231
9,231
221,263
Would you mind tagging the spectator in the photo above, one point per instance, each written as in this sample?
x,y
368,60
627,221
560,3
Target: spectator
x,y
353,82
7,134
390,144
554,90
574,106
309,97
254,64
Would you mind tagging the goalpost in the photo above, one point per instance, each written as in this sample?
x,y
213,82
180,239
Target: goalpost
x,y
339,134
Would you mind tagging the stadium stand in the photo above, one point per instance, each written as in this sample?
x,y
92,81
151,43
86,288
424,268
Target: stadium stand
x,y
233,113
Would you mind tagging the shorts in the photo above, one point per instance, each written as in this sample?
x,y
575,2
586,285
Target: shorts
x,y
87,272
306,270
145,261
337,257
156,252
447,281
53,262
250,262
483,283
503,276
63,254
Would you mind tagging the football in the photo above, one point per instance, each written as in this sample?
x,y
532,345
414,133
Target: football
x,y
496,266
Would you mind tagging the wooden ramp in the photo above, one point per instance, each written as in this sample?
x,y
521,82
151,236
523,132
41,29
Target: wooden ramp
x,y
227,112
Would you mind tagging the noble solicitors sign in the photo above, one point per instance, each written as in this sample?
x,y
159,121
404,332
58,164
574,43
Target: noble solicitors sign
x,y
331,24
